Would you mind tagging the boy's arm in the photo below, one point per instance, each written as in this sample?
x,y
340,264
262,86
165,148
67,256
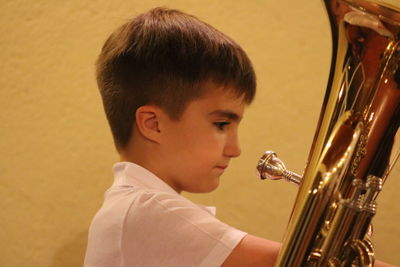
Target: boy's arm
x,y
254,251
383,264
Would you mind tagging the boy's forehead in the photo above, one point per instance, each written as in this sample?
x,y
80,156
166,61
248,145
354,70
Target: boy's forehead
x,y
220,101
219,92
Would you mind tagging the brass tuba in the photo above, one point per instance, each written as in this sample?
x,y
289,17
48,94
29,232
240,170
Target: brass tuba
x,y
356,143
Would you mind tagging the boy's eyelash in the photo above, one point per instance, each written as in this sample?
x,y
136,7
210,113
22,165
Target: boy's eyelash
x,y
221,124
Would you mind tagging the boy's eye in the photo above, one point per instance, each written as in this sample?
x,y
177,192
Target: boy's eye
x,y
221,124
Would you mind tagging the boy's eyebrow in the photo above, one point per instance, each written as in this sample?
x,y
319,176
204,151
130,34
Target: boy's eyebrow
x,y
227,114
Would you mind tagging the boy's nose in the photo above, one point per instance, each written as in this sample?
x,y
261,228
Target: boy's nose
x,y
232,149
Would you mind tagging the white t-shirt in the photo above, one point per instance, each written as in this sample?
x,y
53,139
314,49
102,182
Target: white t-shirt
x,y
144,222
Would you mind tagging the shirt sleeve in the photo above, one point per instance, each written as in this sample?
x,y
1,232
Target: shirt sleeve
x,y
166,230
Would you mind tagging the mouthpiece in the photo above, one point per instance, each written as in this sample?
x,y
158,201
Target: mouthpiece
x,y
271,167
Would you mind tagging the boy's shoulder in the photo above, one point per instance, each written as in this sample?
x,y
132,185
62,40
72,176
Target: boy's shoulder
x,y
137,190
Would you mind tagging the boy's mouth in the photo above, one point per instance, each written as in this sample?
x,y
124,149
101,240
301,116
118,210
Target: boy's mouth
x,y
222,167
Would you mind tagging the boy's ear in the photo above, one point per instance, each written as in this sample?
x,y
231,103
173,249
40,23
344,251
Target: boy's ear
x,y
147,122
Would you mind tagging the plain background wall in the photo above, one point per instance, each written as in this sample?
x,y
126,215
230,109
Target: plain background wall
x,y
57,151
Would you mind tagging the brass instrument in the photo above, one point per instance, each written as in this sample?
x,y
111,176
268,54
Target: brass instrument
x,y
356,143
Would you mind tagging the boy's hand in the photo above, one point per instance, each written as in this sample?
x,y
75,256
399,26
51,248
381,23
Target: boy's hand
x,y
383,264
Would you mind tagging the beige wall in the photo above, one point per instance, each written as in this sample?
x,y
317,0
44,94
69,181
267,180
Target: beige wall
x,y
56,149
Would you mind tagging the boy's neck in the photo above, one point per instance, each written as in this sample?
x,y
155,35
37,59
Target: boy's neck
x,y
138,153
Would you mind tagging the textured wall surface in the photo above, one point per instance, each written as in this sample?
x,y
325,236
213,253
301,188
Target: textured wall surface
x,y
56,148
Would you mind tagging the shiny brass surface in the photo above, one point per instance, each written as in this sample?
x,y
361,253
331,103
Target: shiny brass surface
x,y
356,142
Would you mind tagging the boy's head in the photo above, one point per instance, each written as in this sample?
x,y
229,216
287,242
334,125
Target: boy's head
x,y
165,58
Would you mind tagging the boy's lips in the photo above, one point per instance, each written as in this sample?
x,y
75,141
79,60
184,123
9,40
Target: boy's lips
x,y
222,167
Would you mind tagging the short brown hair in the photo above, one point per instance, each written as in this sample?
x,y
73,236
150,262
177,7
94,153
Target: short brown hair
x,y
163,57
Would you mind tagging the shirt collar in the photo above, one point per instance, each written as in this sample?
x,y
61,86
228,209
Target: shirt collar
x,y
128,173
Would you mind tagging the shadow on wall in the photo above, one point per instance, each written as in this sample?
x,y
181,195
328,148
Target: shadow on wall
x,y
72,253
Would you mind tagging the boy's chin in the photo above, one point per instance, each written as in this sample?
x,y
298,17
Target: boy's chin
x,y
205,188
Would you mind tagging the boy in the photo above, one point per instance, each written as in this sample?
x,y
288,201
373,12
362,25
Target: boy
x,y
174,91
